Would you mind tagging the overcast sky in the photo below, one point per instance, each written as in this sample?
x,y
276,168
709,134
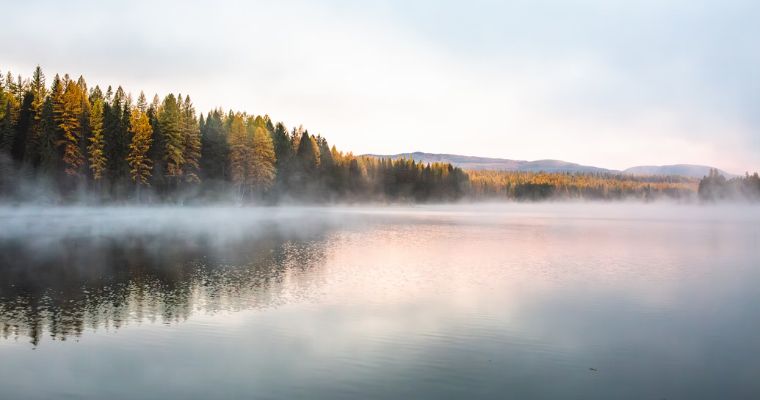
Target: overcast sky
x,y
611,83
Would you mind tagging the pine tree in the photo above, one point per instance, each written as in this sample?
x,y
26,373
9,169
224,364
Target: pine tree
x,y
2,99
142,103
158,148
262,169
34,136
139,161
326,161
24,117
237,139
84,119
70,124
9,109
329,175
192,142
283,148
214,147
170,124
116,133
69,131
49,157
7,131
308,153
96,148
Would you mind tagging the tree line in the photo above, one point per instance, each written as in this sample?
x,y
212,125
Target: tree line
x,y
534,186
715,186
66,141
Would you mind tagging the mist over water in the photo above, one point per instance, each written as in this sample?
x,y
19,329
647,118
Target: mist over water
x,y
564,300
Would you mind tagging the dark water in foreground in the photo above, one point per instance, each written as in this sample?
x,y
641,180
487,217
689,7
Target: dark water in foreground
x,y
516,301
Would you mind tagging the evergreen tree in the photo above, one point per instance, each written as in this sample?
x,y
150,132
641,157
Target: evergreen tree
x,y
142,103
2,98
9,109
262,169
116,134
157,149
49,158
84,118
24,119
174,151
7,132
307,161
34,137
70,124
239,156
329,175
139,161
214,147
325,154
308,152
96,148
71,130
192,142
283,151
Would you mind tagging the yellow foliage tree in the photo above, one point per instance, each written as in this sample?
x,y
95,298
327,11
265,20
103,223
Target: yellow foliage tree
x,y
70,124
140,165
96,148
262,162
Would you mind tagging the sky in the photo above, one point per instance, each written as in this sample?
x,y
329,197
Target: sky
x,y
610,83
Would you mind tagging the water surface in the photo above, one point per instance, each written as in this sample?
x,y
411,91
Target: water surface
x,y
572,301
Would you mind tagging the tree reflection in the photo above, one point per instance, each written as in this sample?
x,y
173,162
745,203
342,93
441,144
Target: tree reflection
x,y
89,282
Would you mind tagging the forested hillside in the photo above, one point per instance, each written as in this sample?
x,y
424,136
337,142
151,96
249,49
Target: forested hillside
x,y
66,142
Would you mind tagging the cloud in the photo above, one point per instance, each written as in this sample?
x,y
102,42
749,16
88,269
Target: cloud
x,y
611,83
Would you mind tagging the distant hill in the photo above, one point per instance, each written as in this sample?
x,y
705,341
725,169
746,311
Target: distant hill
x,y
692,171
502,164
498,164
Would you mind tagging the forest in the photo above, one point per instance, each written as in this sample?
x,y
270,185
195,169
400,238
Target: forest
x,y
532,186
66,142
716,187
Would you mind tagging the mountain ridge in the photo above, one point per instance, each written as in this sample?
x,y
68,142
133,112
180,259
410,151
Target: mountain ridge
x,y
550,165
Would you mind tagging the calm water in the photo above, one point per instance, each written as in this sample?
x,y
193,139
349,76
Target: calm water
x,y
514,301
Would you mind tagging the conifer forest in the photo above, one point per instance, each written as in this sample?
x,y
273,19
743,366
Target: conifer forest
x,y
64,141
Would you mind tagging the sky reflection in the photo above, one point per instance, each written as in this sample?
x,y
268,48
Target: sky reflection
x,y
444,302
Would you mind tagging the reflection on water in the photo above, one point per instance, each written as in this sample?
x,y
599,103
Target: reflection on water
x,y
519,301
109,282
64,282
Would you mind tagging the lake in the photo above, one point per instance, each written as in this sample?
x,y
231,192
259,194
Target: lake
x,y
521,301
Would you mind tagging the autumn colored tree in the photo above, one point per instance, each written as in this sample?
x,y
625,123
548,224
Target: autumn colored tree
x,y
140,164
96,147
70,111
68,129
262,165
